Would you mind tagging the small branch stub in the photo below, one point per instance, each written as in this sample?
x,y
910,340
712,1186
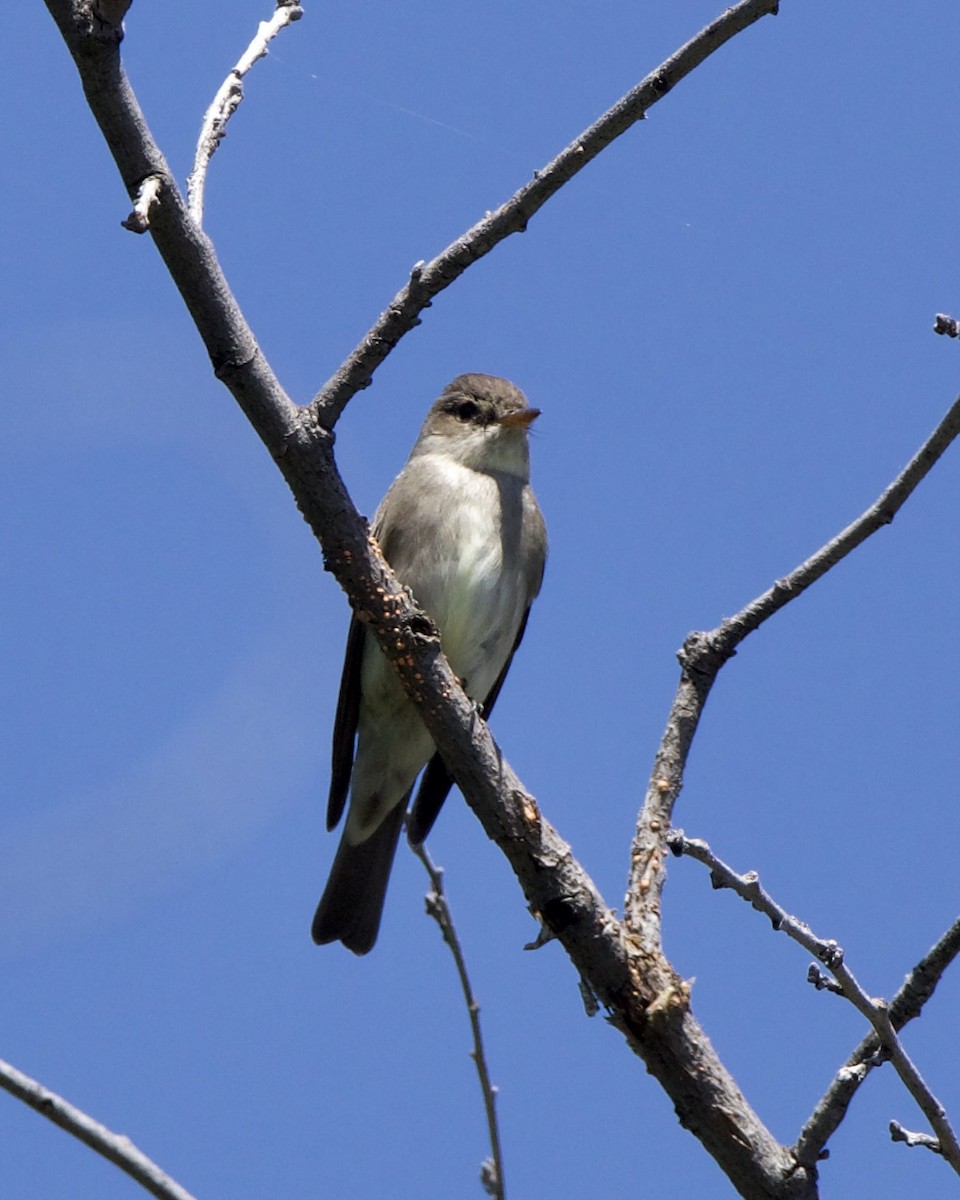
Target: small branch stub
x,y
899,1134
822,981
147,197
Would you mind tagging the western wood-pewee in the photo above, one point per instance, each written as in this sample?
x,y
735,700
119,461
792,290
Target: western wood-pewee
x,y
461,528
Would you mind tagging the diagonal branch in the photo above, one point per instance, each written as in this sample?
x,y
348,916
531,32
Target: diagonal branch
x,y
113,1146
229,98
704,654
429,279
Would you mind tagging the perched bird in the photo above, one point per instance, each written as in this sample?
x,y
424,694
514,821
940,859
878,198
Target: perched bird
x,y
461,528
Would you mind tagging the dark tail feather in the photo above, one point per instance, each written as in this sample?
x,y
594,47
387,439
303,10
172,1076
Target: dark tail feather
x,y
352,903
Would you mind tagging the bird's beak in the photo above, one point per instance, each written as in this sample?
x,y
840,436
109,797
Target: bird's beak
x,y
523,417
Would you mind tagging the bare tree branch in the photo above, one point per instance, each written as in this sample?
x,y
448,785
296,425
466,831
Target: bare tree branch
x,y
701,659
437,907
113,1146
831,955
228,99
429,279
748,887
907,1004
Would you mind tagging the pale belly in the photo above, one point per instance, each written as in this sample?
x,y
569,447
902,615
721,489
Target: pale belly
x,y
477,598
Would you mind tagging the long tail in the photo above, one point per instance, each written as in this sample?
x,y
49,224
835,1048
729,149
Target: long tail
x,y
352,902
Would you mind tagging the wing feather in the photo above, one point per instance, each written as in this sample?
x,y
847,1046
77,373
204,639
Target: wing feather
x,y
437,781
345,723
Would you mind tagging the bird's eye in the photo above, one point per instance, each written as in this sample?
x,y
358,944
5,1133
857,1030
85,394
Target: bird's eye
x,y
467,410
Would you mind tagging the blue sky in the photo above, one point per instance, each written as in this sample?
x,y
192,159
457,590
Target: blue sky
x,y
726,321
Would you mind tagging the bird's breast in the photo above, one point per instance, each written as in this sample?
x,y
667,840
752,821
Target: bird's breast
x,y
469,578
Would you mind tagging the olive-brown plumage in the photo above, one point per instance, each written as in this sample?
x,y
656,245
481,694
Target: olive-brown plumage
x,y
462,529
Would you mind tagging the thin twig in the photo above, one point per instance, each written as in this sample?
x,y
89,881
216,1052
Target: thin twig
x,y
228,100
113,1146
701,659
906,1005
748,887
829,953
491,1173
429,279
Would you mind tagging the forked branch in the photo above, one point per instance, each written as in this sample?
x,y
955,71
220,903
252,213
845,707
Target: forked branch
x,y
905,1006
703,656
829,953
